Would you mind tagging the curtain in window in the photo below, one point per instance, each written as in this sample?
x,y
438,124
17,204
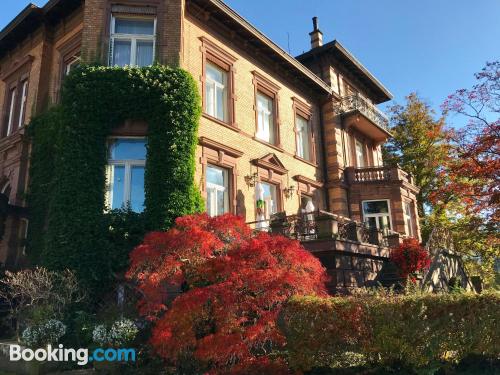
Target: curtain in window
x,y
131,26
121,52
144,53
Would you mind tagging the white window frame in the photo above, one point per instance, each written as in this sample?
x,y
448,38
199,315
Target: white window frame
x,y
72,61
133,38
360,154
303,138
128,164
267,211
410,232
376,216
267,135
24,98
218,188
12,108
209,81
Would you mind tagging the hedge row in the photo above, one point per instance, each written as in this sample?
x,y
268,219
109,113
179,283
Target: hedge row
x,y
415,331
68,228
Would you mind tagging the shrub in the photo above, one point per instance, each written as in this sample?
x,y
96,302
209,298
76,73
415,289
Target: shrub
x,y
414,330
122,332
68,227
410,258
49,332
37,295
232,286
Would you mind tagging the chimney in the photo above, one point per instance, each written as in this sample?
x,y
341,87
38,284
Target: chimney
x,y
316,35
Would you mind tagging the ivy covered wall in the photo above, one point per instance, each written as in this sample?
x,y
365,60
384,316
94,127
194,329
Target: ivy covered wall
x,y
68,228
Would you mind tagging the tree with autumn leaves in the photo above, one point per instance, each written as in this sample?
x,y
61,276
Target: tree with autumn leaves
x,y
457,170
232,284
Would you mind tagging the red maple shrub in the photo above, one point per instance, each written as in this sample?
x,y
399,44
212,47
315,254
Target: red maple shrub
x,y
410,257
233,284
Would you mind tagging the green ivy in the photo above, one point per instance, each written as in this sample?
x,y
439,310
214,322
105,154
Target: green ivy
x,y
68,227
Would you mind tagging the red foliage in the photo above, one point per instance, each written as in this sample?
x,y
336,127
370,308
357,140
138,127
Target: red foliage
x,y
410,258
234,284
473,170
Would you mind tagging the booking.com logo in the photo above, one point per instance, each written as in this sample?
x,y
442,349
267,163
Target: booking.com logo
x,y
80,356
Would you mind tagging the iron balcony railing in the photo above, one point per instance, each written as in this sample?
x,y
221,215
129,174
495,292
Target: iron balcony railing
x,y
356,102
322,225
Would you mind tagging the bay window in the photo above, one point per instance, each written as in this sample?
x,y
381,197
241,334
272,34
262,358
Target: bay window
x,y
125,172
265,118
216,92
217,186
376,214
304,137
132,41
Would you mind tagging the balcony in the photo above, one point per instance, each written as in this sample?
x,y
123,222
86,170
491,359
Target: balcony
x,y
322,225
364,116
382,174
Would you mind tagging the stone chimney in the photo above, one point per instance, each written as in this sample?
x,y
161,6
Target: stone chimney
x,y
316,35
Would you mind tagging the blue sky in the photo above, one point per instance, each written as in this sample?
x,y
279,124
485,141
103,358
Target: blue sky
x,y
429,46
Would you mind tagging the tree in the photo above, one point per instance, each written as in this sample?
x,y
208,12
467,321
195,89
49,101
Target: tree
x,y
470,192
474,169
233,284
419,145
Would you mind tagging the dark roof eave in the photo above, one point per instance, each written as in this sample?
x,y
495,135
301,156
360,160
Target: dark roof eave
x,y
290,60
383,93
23,14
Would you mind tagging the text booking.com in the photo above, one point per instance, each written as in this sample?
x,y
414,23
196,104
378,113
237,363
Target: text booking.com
x,y
61,354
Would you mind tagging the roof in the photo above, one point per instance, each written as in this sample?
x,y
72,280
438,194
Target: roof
x,y
234,22
32,17
380,92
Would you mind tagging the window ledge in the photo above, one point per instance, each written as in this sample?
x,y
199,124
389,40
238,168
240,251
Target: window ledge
x,y
220,122
305,161
276,147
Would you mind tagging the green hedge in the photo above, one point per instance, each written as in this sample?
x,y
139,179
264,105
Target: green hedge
x,y
68,228
415,331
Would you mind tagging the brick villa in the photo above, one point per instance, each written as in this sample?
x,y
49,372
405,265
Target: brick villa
x,y
303,132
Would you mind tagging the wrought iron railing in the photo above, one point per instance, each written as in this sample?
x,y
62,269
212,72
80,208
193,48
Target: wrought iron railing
x,y
321,225
358,103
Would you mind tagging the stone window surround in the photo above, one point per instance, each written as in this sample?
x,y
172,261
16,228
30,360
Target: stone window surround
x,y
67,52
14,79
266,87
225,61
221,156
309,187
271,174
304,110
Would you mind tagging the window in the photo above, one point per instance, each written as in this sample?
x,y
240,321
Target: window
x,y
377,214
270,199
265,118
408,219
360,154
216,92
12,110
305,200
217,190
132,41
72,63
127,159
304,136
24,97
